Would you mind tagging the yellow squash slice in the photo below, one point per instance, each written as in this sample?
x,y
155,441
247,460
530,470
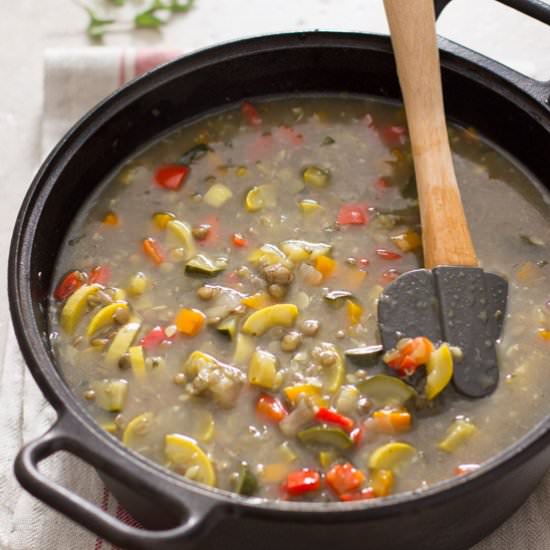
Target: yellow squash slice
x,y
391,456
121,342
75,307
261,321
104,317
186,457
440,371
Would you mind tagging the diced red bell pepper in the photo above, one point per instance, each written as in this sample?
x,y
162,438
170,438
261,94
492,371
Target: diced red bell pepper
x,y
332,417
393,136
250,114
238,240
344,478
302,481
153,338
387,254
352,214
71,282
407,359
364,494
101,275
270,408
171,176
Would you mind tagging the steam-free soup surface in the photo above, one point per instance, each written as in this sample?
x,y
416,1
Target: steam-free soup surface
x,y
215,304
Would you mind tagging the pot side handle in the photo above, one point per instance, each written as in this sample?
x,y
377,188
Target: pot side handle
x,y
537,9
60,438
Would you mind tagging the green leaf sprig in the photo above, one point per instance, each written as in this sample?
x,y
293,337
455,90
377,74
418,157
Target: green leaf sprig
x,y
150,18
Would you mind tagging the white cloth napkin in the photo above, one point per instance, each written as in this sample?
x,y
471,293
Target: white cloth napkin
x,y
74,81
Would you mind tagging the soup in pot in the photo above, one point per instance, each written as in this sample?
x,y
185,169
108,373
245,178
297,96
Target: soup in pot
x,y
215,304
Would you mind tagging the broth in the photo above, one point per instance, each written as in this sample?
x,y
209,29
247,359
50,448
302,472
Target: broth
x,y
216,296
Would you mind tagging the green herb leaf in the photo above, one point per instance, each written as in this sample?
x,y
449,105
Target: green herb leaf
x,y
178,7
96,25
118,2
147,20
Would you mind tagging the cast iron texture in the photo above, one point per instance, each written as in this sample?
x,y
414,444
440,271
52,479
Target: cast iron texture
x,y
508,108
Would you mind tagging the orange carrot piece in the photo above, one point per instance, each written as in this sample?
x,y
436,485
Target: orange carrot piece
x,y
392,421
190,321
153,250
325,265
111,219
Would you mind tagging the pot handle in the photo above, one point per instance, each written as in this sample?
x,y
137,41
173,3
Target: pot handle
x,y
64,436
539,10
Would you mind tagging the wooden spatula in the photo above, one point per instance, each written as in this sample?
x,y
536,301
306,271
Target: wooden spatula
x,y
452,300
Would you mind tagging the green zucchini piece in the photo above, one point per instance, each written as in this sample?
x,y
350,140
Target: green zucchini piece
x,y
228,327
326,436
194,153
202,265
364,356
385,390
246,482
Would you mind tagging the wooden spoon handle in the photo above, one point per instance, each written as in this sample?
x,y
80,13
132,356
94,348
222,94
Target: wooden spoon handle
x,y
445,235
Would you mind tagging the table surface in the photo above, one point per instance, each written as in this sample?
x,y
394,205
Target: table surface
x,y
28,27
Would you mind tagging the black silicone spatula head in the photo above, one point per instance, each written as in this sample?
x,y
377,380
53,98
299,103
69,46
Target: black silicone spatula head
x,y
452,300
463,306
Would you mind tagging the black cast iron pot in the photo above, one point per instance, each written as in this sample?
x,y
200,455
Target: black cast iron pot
x,y
510,109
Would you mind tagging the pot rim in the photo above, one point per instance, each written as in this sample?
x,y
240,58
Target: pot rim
x,y
511,85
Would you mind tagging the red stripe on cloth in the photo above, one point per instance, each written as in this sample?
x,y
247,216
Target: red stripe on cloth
x,y
149,58
104,507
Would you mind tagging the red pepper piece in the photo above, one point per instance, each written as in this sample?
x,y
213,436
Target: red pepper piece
x,y
302,481
153,338
344,478
238,240
387,254
71,282
352,214
171,176
393,136
328,415
270,408
101,274
250,113
364,494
